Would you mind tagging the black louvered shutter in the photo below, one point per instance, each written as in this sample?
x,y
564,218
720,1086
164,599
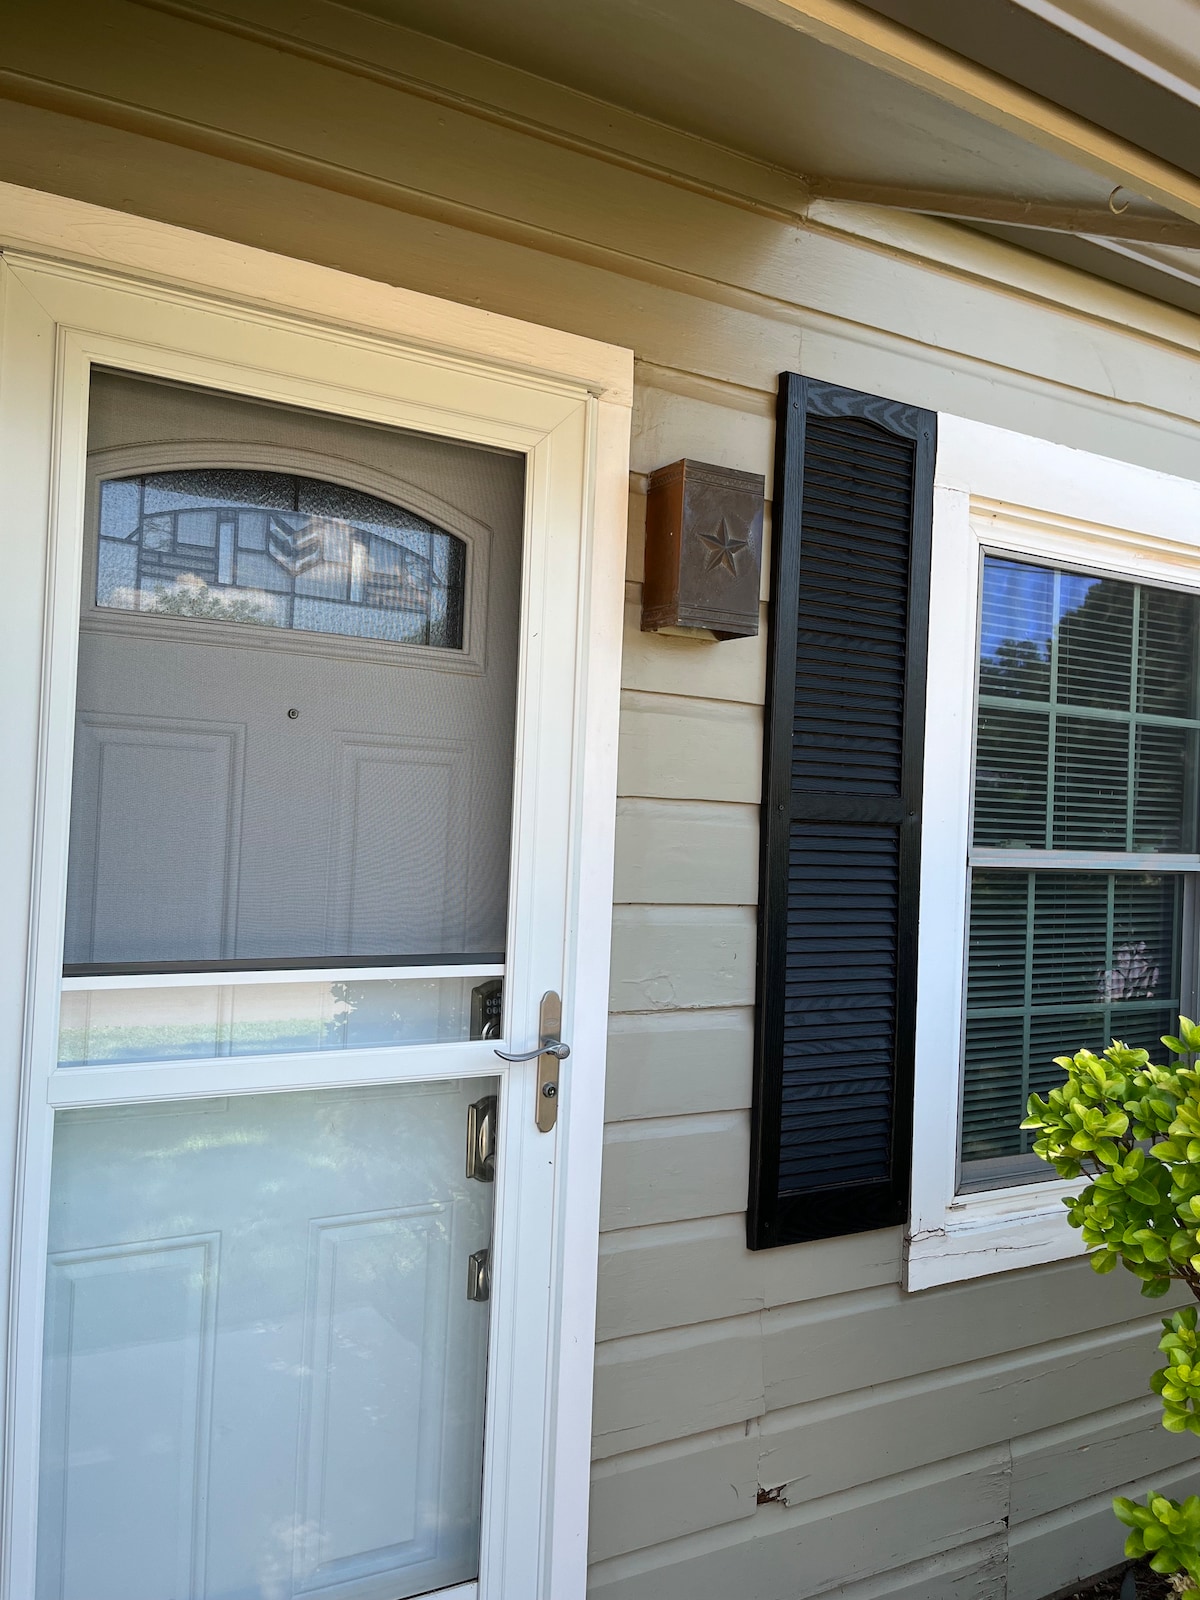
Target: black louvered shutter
x,y
841,836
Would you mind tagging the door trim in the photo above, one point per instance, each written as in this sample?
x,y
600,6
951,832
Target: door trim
x,y
566,402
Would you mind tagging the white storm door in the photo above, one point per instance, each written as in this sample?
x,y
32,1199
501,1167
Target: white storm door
x,y
313,798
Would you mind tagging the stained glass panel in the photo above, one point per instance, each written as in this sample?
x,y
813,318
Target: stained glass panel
x,y
278,550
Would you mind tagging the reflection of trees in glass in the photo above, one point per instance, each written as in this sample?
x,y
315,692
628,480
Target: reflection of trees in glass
x,y
1095,639
389,1012
1134,974
191,597
1016,667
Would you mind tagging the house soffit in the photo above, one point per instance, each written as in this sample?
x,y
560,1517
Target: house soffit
x,y
730,74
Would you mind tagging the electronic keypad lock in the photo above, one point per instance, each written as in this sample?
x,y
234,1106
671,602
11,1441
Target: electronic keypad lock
x,y
487,1006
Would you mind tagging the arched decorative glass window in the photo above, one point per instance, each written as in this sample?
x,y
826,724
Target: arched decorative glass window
x,y
281,551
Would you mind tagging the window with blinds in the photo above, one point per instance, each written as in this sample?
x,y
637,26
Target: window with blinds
x,y
1084,838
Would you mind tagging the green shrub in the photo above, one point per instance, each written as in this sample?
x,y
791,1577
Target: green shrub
x,y
1133,1129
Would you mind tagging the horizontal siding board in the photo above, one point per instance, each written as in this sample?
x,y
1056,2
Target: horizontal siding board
x,y
1098,1455
706,669
1050,1552
835,1346
676,1063
681,852
828,1446
731,429
667,958
847,1539
678,1168
672,748
698,1271
652,1497
675,1384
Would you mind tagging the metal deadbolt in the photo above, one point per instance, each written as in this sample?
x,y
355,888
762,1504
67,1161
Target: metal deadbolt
x,y
479,1275
481,1139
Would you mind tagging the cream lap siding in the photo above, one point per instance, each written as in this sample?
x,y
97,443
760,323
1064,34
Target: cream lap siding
x,y
722,1374
960,1444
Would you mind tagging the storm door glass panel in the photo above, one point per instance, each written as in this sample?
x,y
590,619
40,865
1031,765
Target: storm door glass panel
x,y
297,688
1087,728
266,1312
262,1375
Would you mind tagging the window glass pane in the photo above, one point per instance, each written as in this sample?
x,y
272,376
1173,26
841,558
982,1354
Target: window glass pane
x,y
1095,641
1017,624
1166,653
280,551
1058,961
1091,784
1011,775
1162,781
1088,717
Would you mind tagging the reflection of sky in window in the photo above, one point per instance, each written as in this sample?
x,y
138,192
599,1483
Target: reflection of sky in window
x,y
1019,604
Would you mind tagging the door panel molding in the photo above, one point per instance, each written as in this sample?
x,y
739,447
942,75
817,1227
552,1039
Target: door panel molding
x,y
175,1358
353,885
102,742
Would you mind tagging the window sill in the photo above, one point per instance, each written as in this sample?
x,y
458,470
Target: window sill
x,y
997,1230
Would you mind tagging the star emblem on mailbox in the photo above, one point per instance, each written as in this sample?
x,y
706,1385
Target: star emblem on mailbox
x,y
724,548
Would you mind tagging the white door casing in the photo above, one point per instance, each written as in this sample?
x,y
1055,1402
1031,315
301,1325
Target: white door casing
x,y
279,330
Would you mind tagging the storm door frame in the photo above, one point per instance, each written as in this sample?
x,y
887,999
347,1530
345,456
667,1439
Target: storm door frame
x,y
431,366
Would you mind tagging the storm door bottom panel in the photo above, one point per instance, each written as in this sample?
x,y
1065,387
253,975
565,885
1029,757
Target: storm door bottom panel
x,y
263,1378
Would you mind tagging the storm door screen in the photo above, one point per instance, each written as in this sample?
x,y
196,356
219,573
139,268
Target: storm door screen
x,y
264,1371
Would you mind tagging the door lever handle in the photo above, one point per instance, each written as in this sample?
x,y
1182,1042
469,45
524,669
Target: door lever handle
x,y
548,1052
551,1047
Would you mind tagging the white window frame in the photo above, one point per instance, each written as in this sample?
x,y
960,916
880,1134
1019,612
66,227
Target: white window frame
x,y
1002,492
567,402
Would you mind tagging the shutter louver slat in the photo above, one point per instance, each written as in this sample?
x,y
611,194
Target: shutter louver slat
x,y
852,512
839,1030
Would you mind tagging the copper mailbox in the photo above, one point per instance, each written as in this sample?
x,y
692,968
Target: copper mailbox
x,y
704,529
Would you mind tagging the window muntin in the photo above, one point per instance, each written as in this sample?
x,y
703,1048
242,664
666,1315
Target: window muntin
x,y
281,551
1086,754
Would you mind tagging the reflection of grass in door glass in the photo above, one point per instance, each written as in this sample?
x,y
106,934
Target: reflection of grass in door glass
x,y
146,1025
170,1041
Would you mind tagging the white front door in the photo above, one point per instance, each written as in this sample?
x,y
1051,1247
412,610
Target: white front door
x,y
313,788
